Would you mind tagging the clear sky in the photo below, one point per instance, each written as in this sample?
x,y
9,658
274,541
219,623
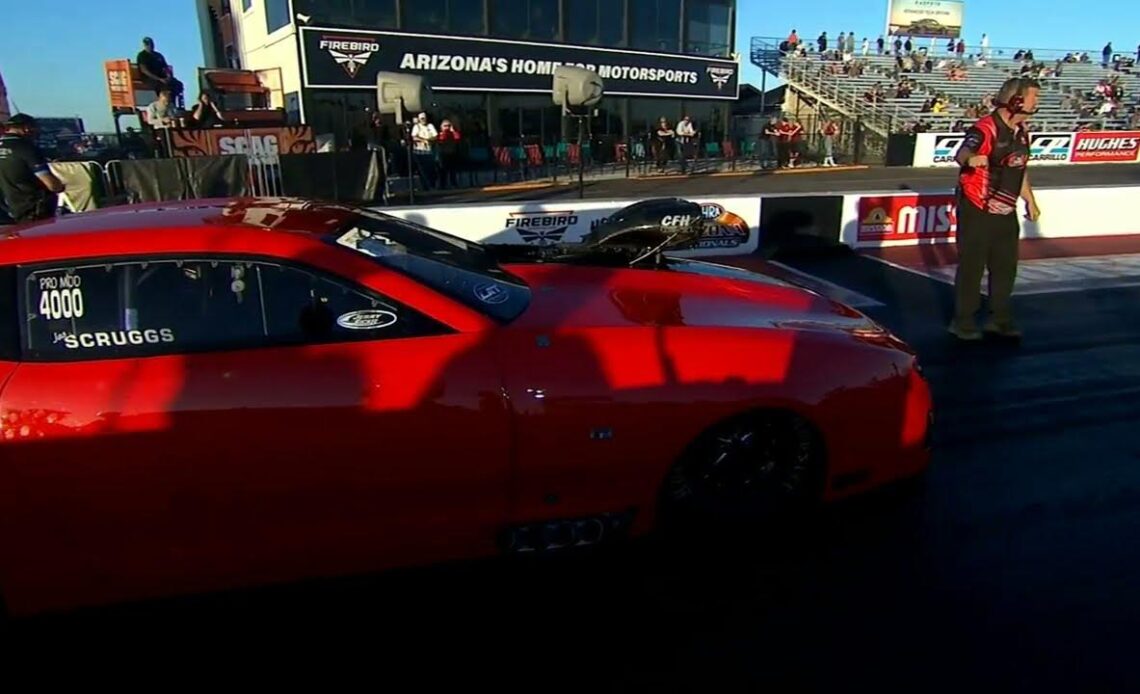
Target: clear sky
x,y
52,51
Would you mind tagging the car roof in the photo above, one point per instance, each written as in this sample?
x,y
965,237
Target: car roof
x,y
267,214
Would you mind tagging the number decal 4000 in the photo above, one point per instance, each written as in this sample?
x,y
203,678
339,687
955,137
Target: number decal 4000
x,y
61,303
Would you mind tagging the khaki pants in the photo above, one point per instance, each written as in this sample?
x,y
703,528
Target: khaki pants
x,y
985,242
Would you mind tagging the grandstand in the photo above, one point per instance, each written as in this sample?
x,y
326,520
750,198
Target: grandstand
x,y
1068,100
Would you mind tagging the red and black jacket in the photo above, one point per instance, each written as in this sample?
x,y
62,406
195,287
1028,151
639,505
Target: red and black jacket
x,y
997,188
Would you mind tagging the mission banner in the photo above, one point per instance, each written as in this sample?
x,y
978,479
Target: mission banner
x,y
352,58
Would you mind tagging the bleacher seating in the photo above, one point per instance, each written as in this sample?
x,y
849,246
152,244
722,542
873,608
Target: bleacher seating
x,y
810,73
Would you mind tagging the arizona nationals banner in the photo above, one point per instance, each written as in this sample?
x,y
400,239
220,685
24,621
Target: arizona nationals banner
x,y
351,59
925,18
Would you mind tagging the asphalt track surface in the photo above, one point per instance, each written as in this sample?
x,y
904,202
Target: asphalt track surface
x,y
798,181
1014,566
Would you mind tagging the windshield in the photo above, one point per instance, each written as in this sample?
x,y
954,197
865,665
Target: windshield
x,y
459,269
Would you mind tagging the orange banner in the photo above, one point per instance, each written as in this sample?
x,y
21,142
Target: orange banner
x,y
119,87
261,145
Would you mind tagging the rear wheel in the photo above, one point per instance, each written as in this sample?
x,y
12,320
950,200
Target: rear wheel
x,y
755,466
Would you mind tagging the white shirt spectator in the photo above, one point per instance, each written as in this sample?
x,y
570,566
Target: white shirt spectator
x,y
866,46
159,115
685,129
423,135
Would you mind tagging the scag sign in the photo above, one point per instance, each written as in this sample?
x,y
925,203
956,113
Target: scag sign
x,y
261,149
907,218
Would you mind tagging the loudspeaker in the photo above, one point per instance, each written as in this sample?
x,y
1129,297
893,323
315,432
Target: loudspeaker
x,y
398,92
576,88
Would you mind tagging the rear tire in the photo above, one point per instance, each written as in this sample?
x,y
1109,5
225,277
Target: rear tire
x,y
754,467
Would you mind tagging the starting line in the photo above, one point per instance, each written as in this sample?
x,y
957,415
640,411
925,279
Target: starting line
x,y
1049,275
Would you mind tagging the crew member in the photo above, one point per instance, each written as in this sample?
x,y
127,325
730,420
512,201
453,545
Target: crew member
x,y
26,182
993,158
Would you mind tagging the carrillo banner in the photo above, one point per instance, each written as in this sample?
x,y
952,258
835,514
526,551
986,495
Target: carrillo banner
x,y
351,59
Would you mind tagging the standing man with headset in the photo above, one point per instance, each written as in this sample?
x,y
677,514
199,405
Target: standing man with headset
x,y
993,158
27,185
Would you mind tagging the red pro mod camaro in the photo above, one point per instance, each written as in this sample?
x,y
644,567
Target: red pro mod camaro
x,y
210,394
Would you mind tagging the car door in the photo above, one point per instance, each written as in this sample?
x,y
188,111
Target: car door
x,y
194,423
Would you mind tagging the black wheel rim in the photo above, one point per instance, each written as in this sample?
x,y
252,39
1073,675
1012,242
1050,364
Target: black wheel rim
x,y
755,461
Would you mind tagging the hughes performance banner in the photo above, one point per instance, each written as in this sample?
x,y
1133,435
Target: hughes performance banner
x,y
351,59
1045,148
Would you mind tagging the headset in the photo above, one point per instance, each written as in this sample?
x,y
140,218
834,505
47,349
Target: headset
x,y
1016,102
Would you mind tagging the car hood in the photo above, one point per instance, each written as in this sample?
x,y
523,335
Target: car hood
x,y
690,293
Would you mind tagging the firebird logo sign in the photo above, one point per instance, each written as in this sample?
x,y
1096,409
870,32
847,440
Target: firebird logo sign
x,y
720,75
352,54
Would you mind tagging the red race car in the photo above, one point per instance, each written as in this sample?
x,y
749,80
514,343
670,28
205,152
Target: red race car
x,y
211,394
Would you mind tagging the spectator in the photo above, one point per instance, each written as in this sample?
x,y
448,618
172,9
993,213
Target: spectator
x,y
449,155
867,47
160,113
664,142
881,43
898,45
950,46
1029,54
841,42
1019,55
908,46
985,45
829,129
1106,54
206,113
793,40
686,140
155,71
424,137
822,41
850,43
903,91
961,48
794,133
770,143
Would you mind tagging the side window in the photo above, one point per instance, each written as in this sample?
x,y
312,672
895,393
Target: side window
x,y
304,307
144,308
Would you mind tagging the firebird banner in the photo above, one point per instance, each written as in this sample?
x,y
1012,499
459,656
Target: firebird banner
x,y
736,230
351,59
261,145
